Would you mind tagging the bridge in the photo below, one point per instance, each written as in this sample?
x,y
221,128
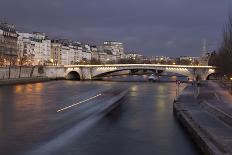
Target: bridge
x,y
88,72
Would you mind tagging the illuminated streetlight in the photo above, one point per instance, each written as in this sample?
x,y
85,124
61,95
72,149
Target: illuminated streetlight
x,y
52,60
231,85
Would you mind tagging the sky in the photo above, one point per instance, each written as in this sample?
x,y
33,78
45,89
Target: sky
x,y
150,27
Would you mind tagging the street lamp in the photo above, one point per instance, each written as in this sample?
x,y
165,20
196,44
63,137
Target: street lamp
x,y
231,85
52,60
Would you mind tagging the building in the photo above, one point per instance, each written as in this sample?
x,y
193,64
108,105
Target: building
x,y
74,52
94,54
93,48
42,49
36,48
134,56
189,58
116,49
8,44
160,59
79,55
86,53
71,53
56,48
20,46
64,55
26,48
102,57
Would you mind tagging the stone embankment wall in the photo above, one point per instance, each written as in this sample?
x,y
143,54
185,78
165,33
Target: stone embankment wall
x,y
30,74
16,72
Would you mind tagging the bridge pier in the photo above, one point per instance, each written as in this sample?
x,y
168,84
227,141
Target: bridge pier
x,y
86,73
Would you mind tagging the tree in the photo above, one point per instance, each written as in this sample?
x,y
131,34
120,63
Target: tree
x,y
95,61
223,58
1,61
128,61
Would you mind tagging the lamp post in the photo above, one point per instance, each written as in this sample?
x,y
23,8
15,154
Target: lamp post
x,y
19,63
52,60
231,85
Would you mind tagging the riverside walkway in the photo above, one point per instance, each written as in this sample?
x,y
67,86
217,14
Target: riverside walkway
x,y
218,99
207,116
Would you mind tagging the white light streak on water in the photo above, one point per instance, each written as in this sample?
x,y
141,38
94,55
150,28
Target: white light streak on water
x,y
68,107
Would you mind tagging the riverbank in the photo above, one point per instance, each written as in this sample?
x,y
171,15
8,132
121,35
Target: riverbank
x,y
207,117
25,80
226,84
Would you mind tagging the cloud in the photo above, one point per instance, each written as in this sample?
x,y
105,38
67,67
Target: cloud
x,y
148,26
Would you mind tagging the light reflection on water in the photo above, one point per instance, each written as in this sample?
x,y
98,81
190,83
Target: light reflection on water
x,y
38,87
28,88
32,103
143,124
18,88
144,78
161,104
134,90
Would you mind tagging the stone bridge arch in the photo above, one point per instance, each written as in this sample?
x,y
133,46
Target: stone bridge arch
x,y
73,74
107,70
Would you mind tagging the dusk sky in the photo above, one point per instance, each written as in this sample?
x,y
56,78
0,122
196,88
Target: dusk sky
x,y
151,27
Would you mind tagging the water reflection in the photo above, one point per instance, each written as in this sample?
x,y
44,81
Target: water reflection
x,y
134,90
162,78
161,88
18,88
29,88
38,87
160,103
173,78
144,125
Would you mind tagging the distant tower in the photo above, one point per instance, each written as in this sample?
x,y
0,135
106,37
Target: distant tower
x,y
204,48
205,56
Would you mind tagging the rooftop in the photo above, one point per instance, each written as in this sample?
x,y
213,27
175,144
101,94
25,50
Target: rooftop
x,y
7,27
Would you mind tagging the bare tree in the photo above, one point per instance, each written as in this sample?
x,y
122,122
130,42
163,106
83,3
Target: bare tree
x,y
223,58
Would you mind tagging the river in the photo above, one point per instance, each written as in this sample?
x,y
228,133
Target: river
x,y
143,124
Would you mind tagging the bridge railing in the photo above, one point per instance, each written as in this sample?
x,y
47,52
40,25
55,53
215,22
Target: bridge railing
x,y
142,65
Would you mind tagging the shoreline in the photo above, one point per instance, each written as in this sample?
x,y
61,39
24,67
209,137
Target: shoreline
x,y
209,129
17,81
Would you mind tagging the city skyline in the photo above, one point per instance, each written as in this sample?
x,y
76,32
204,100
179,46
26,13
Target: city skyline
x,y
189,22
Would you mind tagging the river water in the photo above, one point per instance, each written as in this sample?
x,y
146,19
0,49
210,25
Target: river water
x,y
143,124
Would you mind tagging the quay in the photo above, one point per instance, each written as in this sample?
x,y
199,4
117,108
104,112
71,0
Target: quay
x,y
24,80
206,113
